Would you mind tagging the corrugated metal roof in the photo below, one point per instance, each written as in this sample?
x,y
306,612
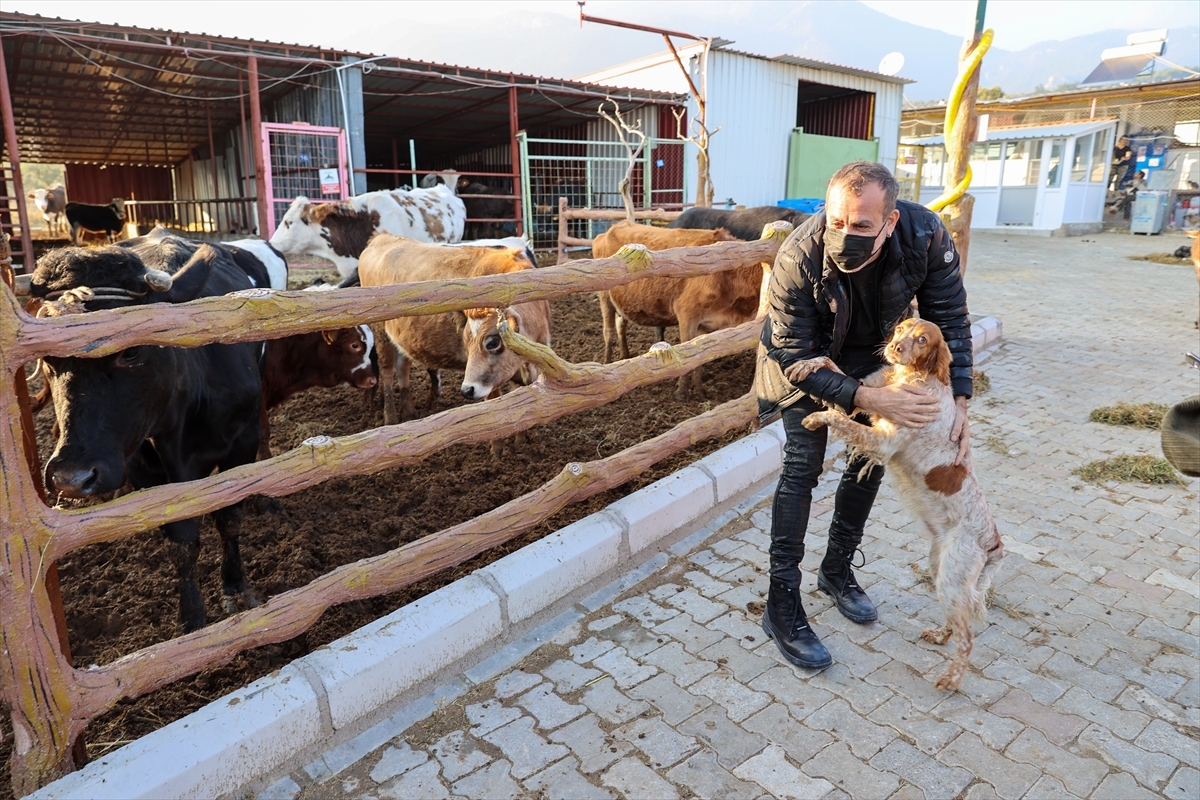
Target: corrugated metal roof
x,y
1027,132
815,64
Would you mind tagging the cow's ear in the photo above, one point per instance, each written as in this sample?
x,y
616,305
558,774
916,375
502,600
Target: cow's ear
x,y
514,319
329,336
191,278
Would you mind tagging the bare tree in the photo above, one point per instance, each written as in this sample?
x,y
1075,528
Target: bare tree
x,y
626,132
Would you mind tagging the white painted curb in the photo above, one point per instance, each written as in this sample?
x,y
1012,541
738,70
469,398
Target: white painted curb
x,y
254,731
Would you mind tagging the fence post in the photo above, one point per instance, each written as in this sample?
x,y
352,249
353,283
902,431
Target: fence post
x,y
515,158
34,678
562,229
261,153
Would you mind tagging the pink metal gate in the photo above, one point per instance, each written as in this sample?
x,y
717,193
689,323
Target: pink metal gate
x,y
302,160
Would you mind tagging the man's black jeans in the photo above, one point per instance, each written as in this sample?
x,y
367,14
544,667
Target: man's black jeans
x,y
803,455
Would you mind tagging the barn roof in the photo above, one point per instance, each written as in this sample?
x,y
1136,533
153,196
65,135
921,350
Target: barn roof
x,y
88,92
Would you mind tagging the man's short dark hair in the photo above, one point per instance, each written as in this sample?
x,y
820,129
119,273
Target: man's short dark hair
x,y
857,175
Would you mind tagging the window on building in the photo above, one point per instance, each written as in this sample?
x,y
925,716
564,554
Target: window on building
x,y
1079,165
1054,176
835,111
934,168
1188,132
1022,162
985,164
1100,157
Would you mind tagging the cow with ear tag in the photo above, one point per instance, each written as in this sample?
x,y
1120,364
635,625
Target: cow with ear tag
x,y
153,415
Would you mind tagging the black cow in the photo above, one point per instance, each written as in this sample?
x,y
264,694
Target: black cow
x,y
107,219
154,415
744,223
480,205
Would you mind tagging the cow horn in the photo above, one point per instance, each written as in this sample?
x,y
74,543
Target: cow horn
x,y
158,280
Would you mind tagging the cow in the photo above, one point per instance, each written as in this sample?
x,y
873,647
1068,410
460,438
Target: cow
x,y
480,205
339,231
271,259
504,243
98,219
466,340
153,415
52,202
742,223
703,303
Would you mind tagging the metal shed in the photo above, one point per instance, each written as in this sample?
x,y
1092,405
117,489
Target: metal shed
x,y
134,111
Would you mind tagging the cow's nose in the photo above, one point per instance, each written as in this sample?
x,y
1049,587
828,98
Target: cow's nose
x,y
72,481
369,382
468,391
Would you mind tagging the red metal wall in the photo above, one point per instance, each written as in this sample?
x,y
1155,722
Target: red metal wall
x,y
671,172
850,116
88,183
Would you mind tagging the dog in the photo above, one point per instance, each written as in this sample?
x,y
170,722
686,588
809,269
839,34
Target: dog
x,y
966,549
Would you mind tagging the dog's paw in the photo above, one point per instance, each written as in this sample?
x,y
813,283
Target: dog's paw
x,y
950,680
816,420
936,635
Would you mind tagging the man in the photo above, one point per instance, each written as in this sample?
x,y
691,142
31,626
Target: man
x,y
1122,163
840,285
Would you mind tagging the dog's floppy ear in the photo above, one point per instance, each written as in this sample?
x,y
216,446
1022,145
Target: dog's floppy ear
x,y
936,359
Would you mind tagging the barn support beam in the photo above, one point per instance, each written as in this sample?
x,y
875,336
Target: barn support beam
x,y
355,124
513,127
14,160
261,152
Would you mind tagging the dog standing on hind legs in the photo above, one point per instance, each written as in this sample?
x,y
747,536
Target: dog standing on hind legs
x,y
965,547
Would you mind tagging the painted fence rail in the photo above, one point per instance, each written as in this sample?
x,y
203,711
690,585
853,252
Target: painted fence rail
x,y
51,702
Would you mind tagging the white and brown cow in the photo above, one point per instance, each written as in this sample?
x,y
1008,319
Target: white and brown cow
x,y
339,231
52,202
462,340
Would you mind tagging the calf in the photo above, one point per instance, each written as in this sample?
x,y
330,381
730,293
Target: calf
x,y
475,197
466,340
52,202
271,259
742,223
153,415
704,303
98,219
339,231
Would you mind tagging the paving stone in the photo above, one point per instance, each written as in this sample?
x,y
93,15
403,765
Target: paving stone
x,y
787,687
661,744
694,636
458,754
1098,684
1137,698
749,634
569,676
645,611
1050,788
624,670
395,760
1140,649
735,698
589,743
1161,683
864,737
863,697
592,648
1126,724
527,750
686,669
908,792
1079,775
1010,779
1162,738
907,653
706,584
1184,785
799,741
515,682
859,660
917,689
604,699
1176,663
632,778
562,779
1122,786
982,791
695,605
548,708
637,641
485,717
1087,650
420,782
743,595
771,770
926,732
1041,688
996,732
675,704
730,657
1157,630
843,769
704,777
1058,728
604,623
1152,769
917,768
732,744
712,564
493,781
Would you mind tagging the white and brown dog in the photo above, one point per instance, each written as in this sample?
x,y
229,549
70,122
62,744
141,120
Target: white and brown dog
x,y
965,546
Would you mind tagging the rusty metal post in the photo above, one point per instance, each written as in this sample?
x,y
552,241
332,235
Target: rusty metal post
x,y
14,160
260,152
562,230
35,679
513,127
212,160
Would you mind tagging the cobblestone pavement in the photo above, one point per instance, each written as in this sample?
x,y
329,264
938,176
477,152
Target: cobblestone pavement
x,y
1085,681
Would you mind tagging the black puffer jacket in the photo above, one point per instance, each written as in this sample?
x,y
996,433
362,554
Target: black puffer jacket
x,y
810,312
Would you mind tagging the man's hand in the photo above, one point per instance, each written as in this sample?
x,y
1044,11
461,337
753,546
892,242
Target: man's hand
x,y
962,431
902,404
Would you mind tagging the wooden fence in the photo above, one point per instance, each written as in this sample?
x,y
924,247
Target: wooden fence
x,y
51,702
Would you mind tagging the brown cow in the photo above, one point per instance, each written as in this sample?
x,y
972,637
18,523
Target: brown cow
x,y
461,340
701,304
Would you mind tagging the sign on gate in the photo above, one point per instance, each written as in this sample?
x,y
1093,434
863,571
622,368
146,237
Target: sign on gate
x,y
302,160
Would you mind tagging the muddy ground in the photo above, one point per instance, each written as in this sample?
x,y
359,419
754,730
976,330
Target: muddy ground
x,y
120,597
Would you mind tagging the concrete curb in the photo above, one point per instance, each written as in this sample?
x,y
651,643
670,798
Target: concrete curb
x,y
255,731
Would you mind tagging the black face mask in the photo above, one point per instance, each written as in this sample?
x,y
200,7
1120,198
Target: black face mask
x,y
848,252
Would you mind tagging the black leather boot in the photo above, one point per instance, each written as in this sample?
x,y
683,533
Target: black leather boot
x,y
784,621
836,579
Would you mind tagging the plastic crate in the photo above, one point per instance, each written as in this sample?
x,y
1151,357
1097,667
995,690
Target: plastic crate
x,y
805,205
